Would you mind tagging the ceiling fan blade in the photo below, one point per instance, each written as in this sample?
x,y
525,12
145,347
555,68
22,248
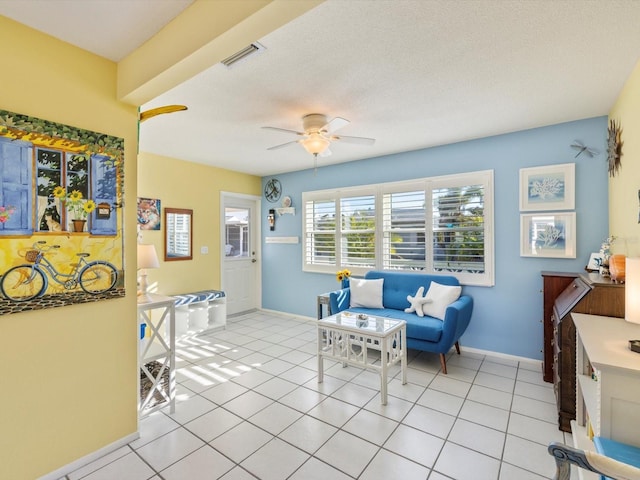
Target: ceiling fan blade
x,y
326,153
359,140
335,124
146,115
282,145
283,130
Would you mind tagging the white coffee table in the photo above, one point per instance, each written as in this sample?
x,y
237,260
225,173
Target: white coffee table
x,y
347,338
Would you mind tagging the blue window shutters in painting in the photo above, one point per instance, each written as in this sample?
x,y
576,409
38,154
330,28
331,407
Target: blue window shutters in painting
x,y
15,186
104,191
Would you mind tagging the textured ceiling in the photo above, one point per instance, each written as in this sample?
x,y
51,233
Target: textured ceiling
x,y
409,73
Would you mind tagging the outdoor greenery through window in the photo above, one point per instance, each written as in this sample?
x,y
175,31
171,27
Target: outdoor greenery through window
x,y
435,225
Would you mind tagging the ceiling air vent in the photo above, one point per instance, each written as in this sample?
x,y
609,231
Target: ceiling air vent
x,y
242,54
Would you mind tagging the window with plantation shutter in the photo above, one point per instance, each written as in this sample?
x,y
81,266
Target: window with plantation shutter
x,y
458,226
404,230
320,232
439,225
358,231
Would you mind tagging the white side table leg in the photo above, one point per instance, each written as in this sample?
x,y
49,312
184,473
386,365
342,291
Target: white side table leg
x,y
320,357
403,359
384,365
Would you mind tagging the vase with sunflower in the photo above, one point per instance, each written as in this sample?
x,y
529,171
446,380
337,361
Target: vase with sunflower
x,y
77,207
343,277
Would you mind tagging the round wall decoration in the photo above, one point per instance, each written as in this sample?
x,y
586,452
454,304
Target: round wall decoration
x,y
614,147
272,190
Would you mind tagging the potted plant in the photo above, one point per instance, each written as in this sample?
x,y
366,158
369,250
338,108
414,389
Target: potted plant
x,y
6,212
77,207
343,277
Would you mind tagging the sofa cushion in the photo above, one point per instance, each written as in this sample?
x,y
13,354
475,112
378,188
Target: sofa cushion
x,y
440,296
366,293
397,285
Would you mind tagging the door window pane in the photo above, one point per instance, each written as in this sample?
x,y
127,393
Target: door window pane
x,y
236,223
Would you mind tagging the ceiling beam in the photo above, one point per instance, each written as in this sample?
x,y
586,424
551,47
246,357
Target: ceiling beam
x,y
203,35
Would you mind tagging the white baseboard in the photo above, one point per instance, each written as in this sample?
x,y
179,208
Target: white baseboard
x,y
479,351
491,353
92,457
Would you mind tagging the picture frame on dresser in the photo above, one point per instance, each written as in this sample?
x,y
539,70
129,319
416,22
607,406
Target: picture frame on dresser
x,y
548,234
596,260
547,188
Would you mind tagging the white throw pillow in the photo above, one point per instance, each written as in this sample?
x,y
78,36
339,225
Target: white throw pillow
x,y
366,293
441,297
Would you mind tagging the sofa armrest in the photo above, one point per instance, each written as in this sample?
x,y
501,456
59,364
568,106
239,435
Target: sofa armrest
x,y
456,320
339,300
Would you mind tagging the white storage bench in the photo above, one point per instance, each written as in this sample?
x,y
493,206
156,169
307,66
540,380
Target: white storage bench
x,y
200,312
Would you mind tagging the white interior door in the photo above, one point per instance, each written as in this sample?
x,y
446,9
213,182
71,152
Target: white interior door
x,y
240,252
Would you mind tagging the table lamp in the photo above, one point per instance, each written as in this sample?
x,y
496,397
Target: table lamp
x,y
632,290
147,258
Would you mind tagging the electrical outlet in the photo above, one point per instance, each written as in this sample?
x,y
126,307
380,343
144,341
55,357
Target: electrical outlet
x,y
204,250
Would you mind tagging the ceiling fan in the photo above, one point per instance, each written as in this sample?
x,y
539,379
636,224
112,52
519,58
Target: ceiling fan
x,y
318,134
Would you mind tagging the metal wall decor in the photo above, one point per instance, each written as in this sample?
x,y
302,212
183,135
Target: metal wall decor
x,y
614,147
272,190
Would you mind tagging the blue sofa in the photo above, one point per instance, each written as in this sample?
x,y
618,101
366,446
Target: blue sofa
x,y
425,333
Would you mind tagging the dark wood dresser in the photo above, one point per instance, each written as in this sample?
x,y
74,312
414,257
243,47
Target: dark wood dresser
x,y
587,293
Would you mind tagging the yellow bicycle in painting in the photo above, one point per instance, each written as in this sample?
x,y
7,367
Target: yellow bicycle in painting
x,y
28,281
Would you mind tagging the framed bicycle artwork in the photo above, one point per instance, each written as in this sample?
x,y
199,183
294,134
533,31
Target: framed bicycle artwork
x,y
61,218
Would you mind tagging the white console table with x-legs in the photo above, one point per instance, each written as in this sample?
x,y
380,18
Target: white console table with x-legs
x,y
157,354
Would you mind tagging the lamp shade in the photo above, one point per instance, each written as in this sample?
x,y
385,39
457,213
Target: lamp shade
x,y
315,144
632,290
147,257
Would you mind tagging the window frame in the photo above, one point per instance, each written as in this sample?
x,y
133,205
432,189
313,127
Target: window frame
x,y
427,184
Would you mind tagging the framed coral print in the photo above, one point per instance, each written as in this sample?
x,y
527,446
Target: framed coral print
x,y
547,188
548,234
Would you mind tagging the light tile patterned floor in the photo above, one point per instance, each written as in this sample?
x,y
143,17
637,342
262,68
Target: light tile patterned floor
x,y
249,406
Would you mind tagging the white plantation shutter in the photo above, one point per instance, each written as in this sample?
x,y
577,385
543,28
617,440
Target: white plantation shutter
x,y
458,226
320,232
404,230
441,225
358,231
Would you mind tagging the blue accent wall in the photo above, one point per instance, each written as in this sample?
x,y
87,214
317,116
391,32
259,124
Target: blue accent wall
x,y
507,317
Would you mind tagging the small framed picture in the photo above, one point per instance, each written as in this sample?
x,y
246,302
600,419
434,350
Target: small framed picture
x,y
595,262
548,188
149,213
551,234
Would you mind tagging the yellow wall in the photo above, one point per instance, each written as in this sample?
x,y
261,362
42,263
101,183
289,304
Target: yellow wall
x,y
67,375
180,184
623,188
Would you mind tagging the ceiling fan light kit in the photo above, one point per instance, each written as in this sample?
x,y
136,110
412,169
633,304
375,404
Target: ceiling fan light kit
x,y
318,134
315,144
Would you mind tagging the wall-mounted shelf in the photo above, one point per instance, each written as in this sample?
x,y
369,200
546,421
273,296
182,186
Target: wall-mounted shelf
x,y
286,211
